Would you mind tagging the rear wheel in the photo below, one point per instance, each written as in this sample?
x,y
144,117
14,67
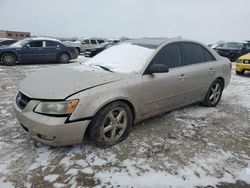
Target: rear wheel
x,y
240,72
214,94
63,58
78,51
111,124
8,59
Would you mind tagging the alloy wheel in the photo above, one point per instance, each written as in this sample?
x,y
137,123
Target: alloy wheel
x,y
215,93
114,124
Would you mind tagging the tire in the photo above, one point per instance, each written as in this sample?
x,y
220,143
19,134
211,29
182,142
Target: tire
x,y
63,58
8,59
214,94
111,124
240,72
78,51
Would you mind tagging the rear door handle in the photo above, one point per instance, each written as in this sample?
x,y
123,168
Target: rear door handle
x,y
182,77
211,70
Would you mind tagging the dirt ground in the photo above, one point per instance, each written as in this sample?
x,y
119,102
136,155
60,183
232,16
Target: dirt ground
x,y
193,146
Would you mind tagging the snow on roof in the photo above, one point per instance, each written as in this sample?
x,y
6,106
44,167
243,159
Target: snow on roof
x,y
123,58
44,38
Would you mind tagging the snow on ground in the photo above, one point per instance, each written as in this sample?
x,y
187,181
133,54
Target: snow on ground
x,y
191,146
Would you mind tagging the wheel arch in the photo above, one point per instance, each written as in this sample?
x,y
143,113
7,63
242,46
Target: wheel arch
x,y
64,52
222,80
125,100
9,52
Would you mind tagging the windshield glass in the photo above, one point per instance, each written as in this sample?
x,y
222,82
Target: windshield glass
x,y
123,58
233,45
20,43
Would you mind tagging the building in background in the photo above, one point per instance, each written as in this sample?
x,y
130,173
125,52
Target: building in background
x,y
17,35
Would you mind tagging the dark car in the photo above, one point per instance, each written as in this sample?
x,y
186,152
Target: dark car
x,y
233,50
6,42
37,50
94,51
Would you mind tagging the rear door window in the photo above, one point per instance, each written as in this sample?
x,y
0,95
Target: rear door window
x,y
208,55
169,55
100,41
86,42
193,53
36,44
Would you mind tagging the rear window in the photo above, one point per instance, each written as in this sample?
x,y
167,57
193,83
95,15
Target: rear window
x,y
93,42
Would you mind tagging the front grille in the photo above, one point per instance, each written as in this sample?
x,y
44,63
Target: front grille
x,y
22,100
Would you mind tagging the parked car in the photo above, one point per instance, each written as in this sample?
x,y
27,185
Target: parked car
x,y
233,50
114,40
94,51
122,85
37,50
6,42
243,64
91,43
76,44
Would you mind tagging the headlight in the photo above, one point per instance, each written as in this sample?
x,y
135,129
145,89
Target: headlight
x,y
56,108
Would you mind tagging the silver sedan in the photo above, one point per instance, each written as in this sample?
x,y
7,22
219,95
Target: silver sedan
x,y
124,84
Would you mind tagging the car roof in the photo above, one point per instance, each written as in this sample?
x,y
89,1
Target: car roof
x,y
157,41
1,39
43,38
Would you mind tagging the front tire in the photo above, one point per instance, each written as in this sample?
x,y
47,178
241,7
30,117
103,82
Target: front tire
x,y
111,124
63,58
8,59
214,94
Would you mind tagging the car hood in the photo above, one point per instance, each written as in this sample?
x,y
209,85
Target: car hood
x,y
61,82
245,57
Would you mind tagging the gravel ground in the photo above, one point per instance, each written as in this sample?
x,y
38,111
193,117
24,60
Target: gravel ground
x,y
193,146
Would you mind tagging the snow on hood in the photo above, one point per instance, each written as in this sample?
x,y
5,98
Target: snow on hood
x,y
59,83
123,58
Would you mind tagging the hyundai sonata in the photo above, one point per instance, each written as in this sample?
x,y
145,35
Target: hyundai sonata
x,y
122,85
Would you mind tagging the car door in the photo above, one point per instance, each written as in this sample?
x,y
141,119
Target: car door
x,y
33,52
52,49
197,71
164,91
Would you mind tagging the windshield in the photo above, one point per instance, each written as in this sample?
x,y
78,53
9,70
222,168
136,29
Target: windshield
x,y
123,58
20,43
233,45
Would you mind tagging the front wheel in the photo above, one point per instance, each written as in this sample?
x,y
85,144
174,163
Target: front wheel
x,y
8,59
63,58
214,94
111,124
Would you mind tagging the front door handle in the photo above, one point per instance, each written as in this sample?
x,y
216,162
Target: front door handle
x,y
182,77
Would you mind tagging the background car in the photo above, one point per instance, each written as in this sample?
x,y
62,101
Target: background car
x,y
233,50
91,43
6,42
37,50
76,44
94,51
122,85
243,64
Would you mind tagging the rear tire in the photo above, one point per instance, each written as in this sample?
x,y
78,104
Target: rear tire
x,y
214,94
63,58
8,59
111,124
240,72
78,51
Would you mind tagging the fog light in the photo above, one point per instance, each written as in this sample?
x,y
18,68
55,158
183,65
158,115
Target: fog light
x,y
44,137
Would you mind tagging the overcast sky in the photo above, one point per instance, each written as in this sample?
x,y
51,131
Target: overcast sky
x,y
204,20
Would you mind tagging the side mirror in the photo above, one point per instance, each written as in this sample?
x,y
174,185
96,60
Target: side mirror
x,y
158,68
27,46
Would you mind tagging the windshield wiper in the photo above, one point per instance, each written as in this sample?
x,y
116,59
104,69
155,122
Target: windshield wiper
x,y
104,68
